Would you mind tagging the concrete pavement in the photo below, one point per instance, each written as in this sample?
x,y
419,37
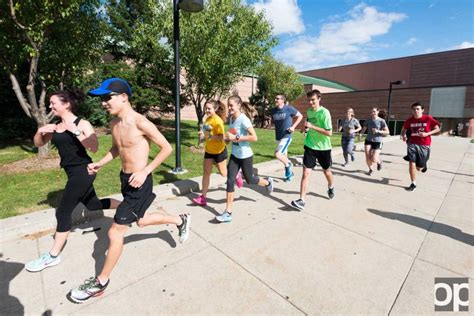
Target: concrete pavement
x,y
374,249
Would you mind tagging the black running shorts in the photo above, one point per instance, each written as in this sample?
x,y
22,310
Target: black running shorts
x,y
311,155
135,200
374,145
217,157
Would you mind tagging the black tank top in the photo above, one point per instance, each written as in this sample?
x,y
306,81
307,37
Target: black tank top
x,y
71,151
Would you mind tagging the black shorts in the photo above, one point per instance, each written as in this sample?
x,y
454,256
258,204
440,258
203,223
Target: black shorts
x,y
419,154
374,145
323,157
217,157
135,200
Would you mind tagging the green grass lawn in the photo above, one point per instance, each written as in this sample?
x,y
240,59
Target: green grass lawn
x,y
31,191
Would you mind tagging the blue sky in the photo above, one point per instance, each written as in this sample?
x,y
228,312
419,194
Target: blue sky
x,y
324,33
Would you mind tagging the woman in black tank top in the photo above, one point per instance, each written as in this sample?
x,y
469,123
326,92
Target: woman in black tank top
x,y
71,136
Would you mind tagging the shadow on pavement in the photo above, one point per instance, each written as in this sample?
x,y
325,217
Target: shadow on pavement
x,y
434,227
10,305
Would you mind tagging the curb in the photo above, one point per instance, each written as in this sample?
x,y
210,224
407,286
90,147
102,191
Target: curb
x,y
27,224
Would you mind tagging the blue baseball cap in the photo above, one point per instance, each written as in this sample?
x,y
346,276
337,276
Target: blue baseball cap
x,y
110,85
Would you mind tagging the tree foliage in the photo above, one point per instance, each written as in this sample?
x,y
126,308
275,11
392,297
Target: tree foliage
x,y
45,38
136,36
219,45
274,77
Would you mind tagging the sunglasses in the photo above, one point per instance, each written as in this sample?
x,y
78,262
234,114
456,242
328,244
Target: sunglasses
x,y
107,97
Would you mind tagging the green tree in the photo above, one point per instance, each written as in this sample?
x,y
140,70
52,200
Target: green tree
x,y
218,45
274,77
137,36
56,40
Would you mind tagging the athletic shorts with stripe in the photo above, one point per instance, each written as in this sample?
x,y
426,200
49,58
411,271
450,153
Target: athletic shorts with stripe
x,y
282,145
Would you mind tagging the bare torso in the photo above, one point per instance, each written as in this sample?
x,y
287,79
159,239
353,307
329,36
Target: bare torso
x,y
132,145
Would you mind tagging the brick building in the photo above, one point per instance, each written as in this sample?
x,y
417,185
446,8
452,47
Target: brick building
x,y
443,82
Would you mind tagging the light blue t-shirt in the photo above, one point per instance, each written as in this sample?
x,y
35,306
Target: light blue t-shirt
x,y
240,126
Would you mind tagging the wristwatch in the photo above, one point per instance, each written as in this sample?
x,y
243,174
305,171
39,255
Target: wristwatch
x,y
77,133
237,137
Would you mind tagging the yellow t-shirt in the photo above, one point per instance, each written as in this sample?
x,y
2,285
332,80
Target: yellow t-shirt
x,y
214,125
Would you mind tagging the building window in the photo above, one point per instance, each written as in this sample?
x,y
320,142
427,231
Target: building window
x,y
448,102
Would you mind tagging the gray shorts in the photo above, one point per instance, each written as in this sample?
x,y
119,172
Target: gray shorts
x,y
419,154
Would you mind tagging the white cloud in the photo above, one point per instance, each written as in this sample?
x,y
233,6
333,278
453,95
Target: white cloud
x,y
344,40
463,45
284,15
411,41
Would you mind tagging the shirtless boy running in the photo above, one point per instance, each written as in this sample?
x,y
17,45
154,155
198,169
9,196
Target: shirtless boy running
x,y
131,134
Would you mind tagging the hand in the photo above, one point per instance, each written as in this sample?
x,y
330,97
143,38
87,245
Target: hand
x,y
351,131
230,137
423,134
47,129
93,168
403,138
290,129
308,125
137,179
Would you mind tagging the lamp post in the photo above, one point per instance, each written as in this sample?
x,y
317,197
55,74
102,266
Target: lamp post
x,y
188,6
398,82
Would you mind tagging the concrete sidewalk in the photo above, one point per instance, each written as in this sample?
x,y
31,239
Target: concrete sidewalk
x,y
375,248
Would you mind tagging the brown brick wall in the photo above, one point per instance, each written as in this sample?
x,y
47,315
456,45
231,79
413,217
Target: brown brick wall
x,y
441,69
362,102
438,69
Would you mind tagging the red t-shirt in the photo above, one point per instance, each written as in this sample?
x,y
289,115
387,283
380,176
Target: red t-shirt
x,y
426,123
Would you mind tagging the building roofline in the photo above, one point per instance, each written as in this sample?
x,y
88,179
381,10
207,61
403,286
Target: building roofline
x,y
388,59
324,82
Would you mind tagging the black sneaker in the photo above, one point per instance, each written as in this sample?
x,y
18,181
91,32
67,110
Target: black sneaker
x,y
425,168
370,172
379,165
90,288
298,204
331,192
411,188
184,227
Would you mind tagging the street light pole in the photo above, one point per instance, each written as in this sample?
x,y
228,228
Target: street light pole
x,y
188,6
398,82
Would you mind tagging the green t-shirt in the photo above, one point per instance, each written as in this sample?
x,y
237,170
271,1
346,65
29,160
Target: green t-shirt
x,y
320,118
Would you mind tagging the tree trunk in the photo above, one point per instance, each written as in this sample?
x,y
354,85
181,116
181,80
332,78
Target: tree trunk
x,y
37,112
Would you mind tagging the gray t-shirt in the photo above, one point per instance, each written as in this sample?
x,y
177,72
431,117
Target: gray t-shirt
x,y
379,124
353,123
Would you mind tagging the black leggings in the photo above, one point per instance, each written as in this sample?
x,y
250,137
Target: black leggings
x,y
247,169
78,188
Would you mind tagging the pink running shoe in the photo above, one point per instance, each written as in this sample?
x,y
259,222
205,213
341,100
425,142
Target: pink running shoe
x,y
238,180
200,200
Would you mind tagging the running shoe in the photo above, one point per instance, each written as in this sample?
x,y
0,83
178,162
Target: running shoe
x,y
270,185
353,158
345,164
379,165
298,204
331,193
288,171
200,200
425,168
370,172
411,188
44,261
90,288
239,180
288,179
184,227
225,217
